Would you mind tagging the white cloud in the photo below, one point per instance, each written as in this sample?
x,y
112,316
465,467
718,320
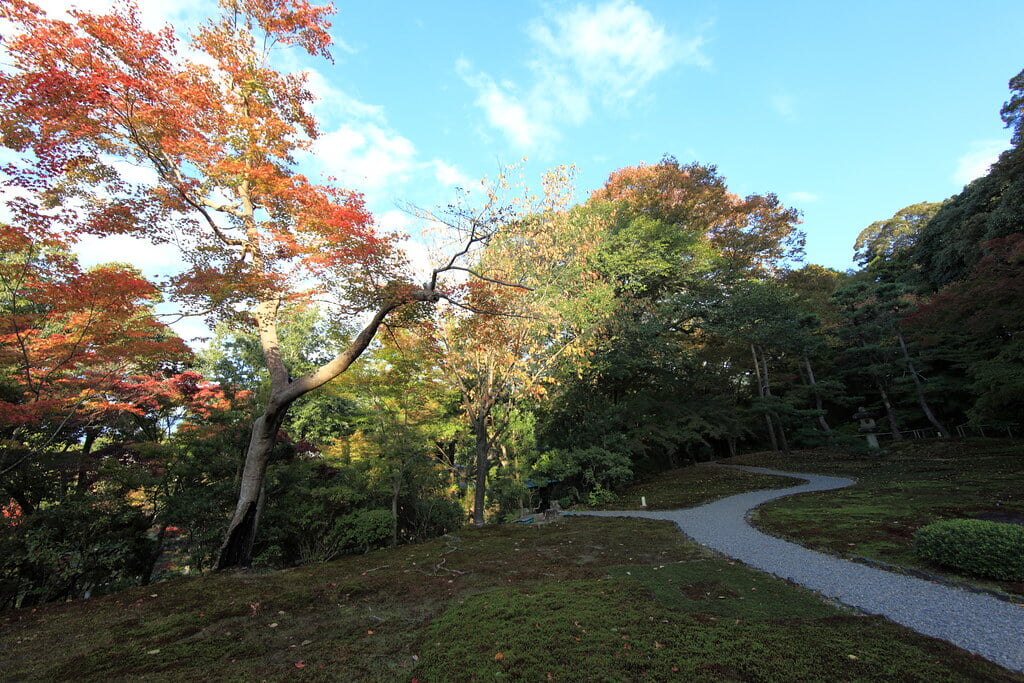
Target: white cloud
x,y
617,45
609,52
332,102
152,259
343,46
395,221
370,157
784,105
403,223
508,112
365,156
977,161
802,197
362,151
450,176
154,15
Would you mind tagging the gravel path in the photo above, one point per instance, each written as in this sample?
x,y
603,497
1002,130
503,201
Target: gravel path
x,y
976,622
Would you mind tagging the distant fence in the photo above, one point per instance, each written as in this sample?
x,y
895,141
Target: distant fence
x,y
990,431
963,431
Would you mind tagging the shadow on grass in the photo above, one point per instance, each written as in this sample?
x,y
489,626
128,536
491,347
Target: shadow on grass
x,y
580,599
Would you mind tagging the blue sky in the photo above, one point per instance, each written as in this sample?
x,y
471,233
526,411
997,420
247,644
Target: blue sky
x,y
847,111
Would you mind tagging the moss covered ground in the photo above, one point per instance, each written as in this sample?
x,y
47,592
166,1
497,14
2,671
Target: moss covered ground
x,y
898,491
596,599
689,486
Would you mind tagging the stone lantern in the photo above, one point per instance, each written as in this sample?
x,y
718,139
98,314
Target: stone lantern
x,y
867,427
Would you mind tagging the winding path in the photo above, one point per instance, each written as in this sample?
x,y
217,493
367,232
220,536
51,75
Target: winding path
x,y
975,622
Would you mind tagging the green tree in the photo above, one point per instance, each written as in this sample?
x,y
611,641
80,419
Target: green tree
x,y
886,249
978,322
989,208
658,388
878,346
503,344
767,326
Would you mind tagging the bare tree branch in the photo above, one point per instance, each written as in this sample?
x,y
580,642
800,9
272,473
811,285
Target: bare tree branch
x,y
477,275
481,311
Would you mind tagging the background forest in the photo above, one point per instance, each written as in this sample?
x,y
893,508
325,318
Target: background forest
x,y
560,349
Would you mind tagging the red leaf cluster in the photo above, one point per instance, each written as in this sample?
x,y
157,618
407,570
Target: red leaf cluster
x,y
77,342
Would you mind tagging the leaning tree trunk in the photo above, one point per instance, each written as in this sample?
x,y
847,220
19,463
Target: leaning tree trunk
x,y
778,421
920,390
817,397
890,412
773,415
237,549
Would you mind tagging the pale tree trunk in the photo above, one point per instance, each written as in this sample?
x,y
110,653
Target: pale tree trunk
x,y
237,548
761,393
766,389
817,397
396,490
890,412
920,390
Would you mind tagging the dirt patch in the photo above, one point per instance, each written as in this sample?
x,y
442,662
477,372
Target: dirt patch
x,y
708,590
898,531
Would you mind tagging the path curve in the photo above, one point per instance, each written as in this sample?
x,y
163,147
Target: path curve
x,y
975,622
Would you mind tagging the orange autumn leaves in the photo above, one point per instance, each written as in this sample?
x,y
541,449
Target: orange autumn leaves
x,y
220,135
77,344
755,232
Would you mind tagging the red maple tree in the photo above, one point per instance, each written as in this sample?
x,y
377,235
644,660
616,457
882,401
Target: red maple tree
x,y
220,135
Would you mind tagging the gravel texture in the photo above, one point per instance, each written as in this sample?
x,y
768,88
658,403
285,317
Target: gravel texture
x,y
975,622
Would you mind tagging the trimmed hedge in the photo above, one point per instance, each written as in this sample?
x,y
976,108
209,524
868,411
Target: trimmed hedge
x,y
986,549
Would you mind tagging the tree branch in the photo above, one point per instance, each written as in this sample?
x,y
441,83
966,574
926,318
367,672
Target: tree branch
x,y
477,275
481,311
343,360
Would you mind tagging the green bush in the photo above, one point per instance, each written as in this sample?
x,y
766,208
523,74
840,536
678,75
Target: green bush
x,y
985,549
85,545
585,469
601,496
429,516
366,529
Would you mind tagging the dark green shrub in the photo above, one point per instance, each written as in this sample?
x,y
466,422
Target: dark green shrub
x,y
985,549
89,545
429,516
585,470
